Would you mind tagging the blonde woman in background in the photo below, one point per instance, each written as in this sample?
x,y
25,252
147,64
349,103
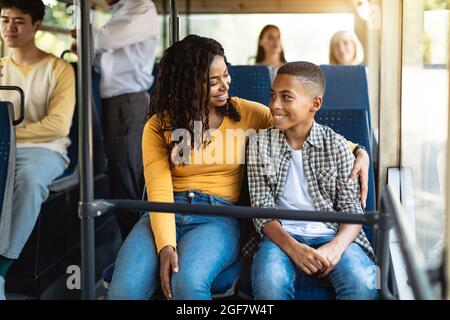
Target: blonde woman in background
x,y
346,49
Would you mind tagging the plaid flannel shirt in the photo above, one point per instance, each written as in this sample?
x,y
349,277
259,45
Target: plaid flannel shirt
x,y
327,161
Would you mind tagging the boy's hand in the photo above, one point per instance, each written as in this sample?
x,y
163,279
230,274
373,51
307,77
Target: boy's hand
x,y
361,169
332,252
168,259
308,259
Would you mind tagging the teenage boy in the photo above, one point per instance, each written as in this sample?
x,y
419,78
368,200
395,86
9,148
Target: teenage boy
x,y
301,165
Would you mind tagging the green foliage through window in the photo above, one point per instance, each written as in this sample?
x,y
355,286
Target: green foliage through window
x,y
59,15
437,4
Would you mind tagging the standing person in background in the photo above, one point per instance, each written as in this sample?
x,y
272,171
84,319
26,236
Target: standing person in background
x,y
346,49
124,55
270,51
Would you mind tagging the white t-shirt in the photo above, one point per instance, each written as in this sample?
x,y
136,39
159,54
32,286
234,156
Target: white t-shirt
x,y
296,197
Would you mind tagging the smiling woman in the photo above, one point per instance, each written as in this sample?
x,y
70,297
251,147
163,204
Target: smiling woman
x,y
186,253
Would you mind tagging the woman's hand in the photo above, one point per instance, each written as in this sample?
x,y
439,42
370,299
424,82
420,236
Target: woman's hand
x,y
361,169
168,258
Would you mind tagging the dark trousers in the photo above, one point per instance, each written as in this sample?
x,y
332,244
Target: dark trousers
x,y
123,119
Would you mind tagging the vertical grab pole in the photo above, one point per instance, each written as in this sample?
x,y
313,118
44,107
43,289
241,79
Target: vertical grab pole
x,y
174,26
85,154
188,17
165,26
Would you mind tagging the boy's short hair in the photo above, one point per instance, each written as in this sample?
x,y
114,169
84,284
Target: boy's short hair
x,y
35,8
310,75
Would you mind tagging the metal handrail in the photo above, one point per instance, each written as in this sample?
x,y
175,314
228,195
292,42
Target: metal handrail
x,y
414,259
22,102
391,213
101,206
85,156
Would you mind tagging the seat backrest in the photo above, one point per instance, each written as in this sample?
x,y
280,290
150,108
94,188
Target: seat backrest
x,y
7,167
346,87
353,124
5,147
250,82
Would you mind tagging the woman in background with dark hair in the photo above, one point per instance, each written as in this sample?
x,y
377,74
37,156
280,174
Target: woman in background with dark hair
x,y
270,51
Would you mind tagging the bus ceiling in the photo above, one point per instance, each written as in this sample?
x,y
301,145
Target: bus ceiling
x,y
252,6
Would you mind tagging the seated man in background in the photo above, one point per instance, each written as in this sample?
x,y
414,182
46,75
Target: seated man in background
x,y
42,138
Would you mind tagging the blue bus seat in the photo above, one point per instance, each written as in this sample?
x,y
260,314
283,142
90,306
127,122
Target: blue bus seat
x,y
353,124
250,82
7,166
346,88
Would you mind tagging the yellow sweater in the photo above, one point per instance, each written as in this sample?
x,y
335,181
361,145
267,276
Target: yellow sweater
x,y
49,87
216,170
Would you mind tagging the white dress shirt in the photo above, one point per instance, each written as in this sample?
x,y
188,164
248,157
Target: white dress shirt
x,y
125,48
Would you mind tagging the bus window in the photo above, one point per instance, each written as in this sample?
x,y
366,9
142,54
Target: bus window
x,y
425,83
54,36
297,41
53,42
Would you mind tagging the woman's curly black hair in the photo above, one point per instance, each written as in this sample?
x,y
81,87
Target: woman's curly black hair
x,y
181,94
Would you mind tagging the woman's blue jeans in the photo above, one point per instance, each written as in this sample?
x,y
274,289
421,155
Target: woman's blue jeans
x,y
206,246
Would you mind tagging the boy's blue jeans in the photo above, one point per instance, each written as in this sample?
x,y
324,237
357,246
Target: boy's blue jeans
x,y
206,246
274,273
